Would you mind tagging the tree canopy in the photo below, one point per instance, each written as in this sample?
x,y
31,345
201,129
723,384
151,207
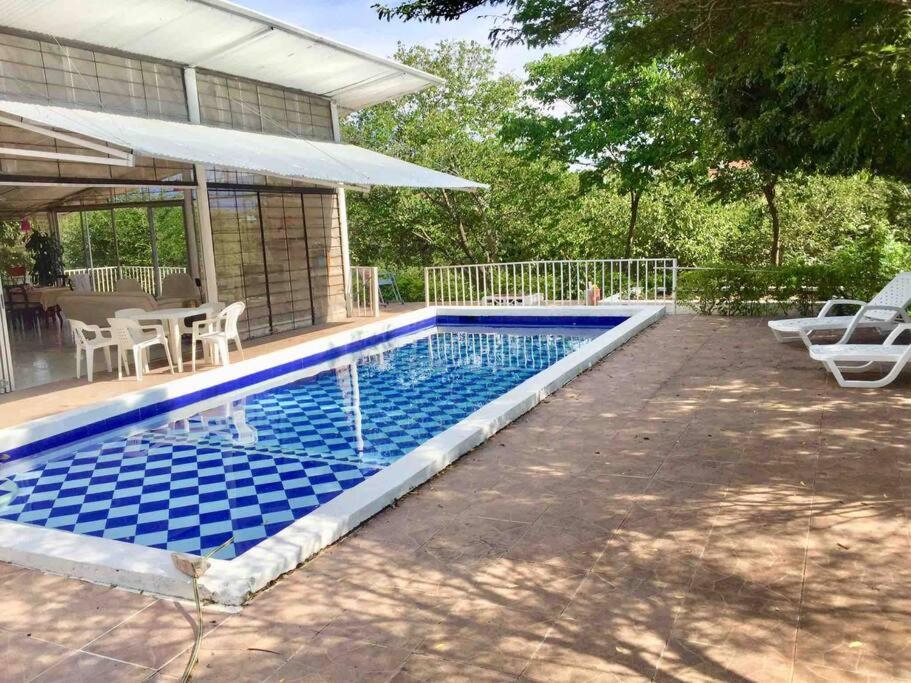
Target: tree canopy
x,y
808,85
635,123
542,203
455,128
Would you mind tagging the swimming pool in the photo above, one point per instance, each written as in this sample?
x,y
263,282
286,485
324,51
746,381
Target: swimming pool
x,y
300,457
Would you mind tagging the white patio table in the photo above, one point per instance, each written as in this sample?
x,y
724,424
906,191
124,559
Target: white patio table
x,y
170,319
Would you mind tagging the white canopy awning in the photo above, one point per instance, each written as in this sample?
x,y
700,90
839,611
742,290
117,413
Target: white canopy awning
x,y
296,158
222,36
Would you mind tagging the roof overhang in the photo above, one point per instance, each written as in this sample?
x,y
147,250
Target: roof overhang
x,y
114,139
222,36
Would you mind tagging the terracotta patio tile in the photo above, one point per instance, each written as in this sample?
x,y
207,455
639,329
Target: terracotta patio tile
x,y
244,648
399,624
614,461
542,589
855,630
686,661
680,495
599,650
407,525
511,506
332,658
422,667
82,667
574,506
816,673
72,613
492,637
154,636
472,538
22,658
696,469
575,546
665,530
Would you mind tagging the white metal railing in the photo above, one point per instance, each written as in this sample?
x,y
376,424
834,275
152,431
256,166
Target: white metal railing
x,y
365,291
104,278
552,283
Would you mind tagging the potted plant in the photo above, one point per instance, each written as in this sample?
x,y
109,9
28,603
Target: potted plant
x,y
47,258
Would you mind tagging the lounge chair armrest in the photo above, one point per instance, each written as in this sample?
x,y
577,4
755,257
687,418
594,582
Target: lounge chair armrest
x,y
831,303
903,313
859,316
98,331
157,329
896,333
208,324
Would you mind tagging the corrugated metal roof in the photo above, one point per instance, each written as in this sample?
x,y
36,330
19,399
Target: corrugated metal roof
x,y
297,158
222,36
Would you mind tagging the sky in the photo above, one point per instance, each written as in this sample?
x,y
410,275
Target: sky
x,y
355,23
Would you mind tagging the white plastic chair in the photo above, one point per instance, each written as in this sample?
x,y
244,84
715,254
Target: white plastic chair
x,y
842,358
883,313
208,310
129,312
130,336
88,338
216,332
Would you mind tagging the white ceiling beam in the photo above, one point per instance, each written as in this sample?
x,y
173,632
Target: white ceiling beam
x,y
57,135
62,156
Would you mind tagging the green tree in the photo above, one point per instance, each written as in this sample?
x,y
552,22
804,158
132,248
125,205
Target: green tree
x,y
633,123
826,82
455,128
13,253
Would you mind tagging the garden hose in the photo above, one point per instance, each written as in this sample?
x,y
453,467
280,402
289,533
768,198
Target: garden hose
x,y
194,567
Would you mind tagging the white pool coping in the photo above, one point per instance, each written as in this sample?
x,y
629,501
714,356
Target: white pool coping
x,y
232,582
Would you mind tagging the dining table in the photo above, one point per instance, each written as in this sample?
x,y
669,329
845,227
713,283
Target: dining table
x,y
170,320
45,296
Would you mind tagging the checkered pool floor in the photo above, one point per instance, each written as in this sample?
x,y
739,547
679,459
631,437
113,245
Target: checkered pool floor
x,y
253,466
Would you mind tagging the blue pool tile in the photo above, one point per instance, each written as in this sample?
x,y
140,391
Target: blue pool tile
x,y
252,467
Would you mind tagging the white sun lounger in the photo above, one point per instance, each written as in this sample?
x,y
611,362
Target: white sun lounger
x,y
842,358
883,312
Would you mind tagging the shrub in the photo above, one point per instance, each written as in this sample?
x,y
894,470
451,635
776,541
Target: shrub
x,y
741,291
410,280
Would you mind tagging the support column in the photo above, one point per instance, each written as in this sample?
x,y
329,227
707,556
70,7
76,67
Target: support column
x,y
342,219
153,241
202,193
54,225
189,231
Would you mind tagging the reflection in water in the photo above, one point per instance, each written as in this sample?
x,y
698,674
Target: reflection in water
x,y
351,396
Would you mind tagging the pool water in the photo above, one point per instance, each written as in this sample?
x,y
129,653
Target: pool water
x,y
250,467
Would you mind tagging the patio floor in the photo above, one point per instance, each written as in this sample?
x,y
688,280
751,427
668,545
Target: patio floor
x,y
704,505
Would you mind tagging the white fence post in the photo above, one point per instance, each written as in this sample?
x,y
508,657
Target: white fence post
x,y
375,291
564,282
674,284
427,287
103,278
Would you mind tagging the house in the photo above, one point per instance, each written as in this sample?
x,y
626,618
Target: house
x,y
210,107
